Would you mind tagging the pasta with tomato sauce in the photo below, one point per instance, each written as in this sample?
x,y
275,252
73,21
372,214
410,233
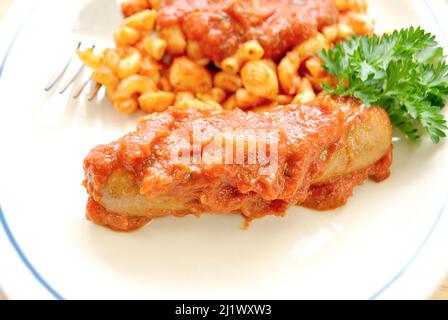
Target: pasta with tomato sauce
x,y
217,39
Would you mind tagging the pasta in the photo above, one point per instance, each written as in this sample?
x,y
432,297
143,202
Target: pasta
x,y
175,39
151,69
246,100
130,64
314,67
360,23
133,85
132,7
126,105
106,77
306,92
183,96
349,5
126,36
143,21
227,81
154,46
249,51
111,59
289,66
154,66
230,103
215,94
89,58
288,70
259,79
194,51
156,101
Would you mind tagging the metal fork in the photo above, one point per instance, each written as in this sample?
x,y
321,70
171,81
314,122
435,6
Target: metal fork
x,y
76,67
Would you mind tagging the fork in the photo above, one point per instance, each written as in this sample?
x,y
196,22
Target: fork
x,y
76,67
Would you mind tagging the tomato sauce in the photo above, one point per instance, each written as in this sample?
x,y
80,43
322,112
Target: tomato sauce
x,y
220,26
117,222
335,193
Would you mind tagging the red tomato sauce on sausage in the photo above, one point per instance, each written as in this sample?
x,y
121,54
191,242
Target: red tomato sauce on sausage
x,y
335,193
305,133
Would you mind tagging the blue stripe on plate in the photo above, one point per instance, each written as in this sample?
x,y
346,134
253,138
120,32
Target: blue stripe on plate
x,y
58,296
25,260
439,216
3,221
413,258
437,20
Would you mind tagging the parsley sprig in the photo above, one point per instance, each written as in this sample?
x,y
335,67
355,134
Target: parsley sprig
x,y
404,72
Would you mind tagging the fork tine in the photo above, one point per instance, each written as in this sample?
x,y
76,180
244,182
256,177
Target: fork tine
x,y
72,79
79,88
58,74
93,90
75,75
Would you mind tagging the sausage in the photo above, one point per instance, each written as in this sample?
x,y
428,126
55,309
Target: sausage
x,y
319,143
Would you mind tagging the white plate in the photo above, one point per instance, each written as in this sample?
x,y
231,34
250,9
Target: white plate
x,y
389,241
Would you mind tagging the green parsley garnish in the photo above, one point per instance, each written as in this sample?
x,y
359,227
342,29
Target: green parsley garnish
x,y
404,72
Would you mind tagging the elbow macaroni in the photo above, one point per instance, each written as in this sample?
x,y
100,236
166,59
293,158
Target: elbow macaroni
x,y
186,75
133,85
260,79
216,94
228,81
194,51
104,76
126,36
154,68
129,64
175,39
150,69
306,92
249,51
89,58
247,100
288,68
143,21
155,46
156,101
